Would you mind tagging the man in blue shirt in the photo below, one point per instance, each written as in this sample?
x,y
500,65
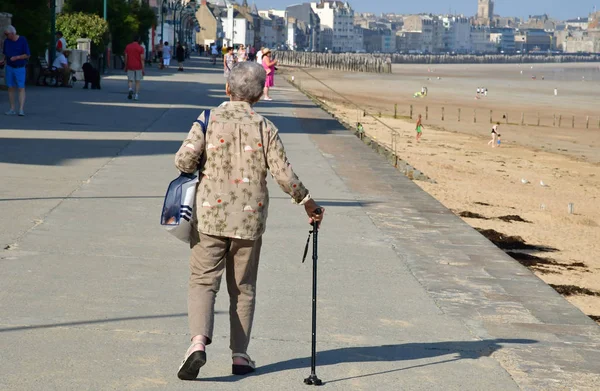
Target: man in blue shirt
x,y
16,53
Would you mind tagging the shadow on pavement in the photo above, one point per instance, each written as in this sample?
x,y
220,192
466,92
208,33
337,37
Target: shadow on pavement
x,y
166,106
84,322
80,198
462,350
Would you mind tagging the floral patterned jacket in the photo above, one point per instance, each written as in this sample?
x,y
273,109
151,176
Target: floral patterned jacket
x,y
240,146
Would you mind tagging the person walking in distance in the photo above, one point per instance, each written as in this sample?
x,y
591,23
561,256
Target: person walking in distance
x,y
159,55
16,53
228,62
180,54
214,53
167,51
241,54
269,66
134,66
419,127
494,140
259,56
233,158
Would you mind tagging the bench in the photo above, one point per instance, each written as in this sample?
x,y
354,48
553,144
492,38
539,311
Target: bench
x,y
48,75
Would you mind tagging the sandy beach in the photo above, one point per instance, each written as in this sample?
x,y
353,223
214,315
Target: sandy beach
x,y
518,194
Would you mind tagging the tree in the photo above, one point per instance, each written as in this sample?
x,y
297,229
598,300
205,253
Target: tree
x,y
125,18
32,20
81,25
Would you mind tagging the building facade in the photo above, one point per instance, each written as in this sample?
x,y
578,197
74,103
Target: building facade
x,y
211,24
457,36
338,17
533,40
503,39
310,22
480,40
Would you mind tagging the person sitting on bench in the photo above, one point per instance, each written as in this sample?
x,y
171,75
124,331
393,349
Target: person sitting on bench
x,y
62,65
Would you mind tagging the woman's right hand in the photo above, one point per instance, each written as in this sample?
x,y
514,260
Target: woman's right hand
x,y
311,208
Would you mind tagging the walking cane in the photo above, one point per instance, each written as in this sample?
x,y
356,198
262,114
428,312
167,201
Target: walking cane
x,y
313,379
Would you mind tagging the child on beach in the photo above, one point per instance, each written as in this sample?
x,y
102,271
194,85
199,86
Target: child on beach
x,y
419,128
495,135
360,128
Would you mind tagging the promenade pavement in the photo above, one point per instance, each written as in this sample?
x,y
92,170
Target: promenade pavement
x,y
93,291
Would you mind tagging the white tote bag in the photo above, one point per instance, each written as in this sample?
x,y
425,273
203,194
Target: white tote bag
x,y
178,207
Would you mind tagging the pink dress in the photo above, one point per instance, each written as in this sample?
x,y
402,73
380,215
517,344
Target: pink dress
x,y
270,82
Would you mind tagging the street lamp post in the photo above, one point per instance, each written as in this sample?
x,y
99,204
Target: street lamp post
x,y
105,62
52,49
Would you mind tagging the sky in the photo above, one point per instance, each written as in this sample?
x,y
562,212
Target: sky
x,y
519,8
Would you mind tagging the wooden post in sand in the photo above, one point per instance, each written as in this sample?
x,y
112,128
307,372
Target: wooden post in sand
x,y
559,120
411,111
573,122
459,115
475,116
442,113
587,122
538,123
491,116
554,120
396,111
426,112
522,118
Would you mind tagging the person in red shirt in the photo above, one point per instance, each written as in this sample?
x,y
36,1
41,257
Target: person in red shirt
x,y
134,66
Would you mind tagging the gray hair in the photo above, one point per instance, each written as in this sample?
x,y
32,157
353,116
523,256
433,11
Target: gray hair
x,y
247,81
10,29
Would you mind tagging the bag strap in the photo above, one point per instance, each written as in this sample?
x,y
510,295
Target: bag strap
x,y
204,125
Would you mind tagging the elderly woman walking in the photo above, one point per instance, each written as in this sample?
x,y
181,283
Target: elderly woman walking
x,y
233,157
269,65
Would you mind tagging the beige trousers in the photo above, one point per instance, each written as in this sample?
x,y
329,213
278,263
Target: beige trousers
x,y
212,255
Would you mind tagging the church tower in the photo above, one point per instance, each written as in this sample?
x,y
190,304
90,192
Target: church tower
x,y
485,12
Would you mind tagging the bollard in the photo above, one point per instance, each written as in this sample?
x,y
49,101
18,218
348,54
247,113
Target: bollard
x,y
426,112
491,116
411,111
442,113
459,115
396,110
474,116
571,208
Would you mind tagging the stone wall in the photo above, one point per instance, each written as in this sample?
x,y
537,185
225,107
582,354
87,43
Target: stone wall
x,y
576,46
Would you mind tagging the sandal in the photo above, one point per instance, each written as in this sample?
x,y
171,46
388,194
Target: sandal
x,y
190,367
241,370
